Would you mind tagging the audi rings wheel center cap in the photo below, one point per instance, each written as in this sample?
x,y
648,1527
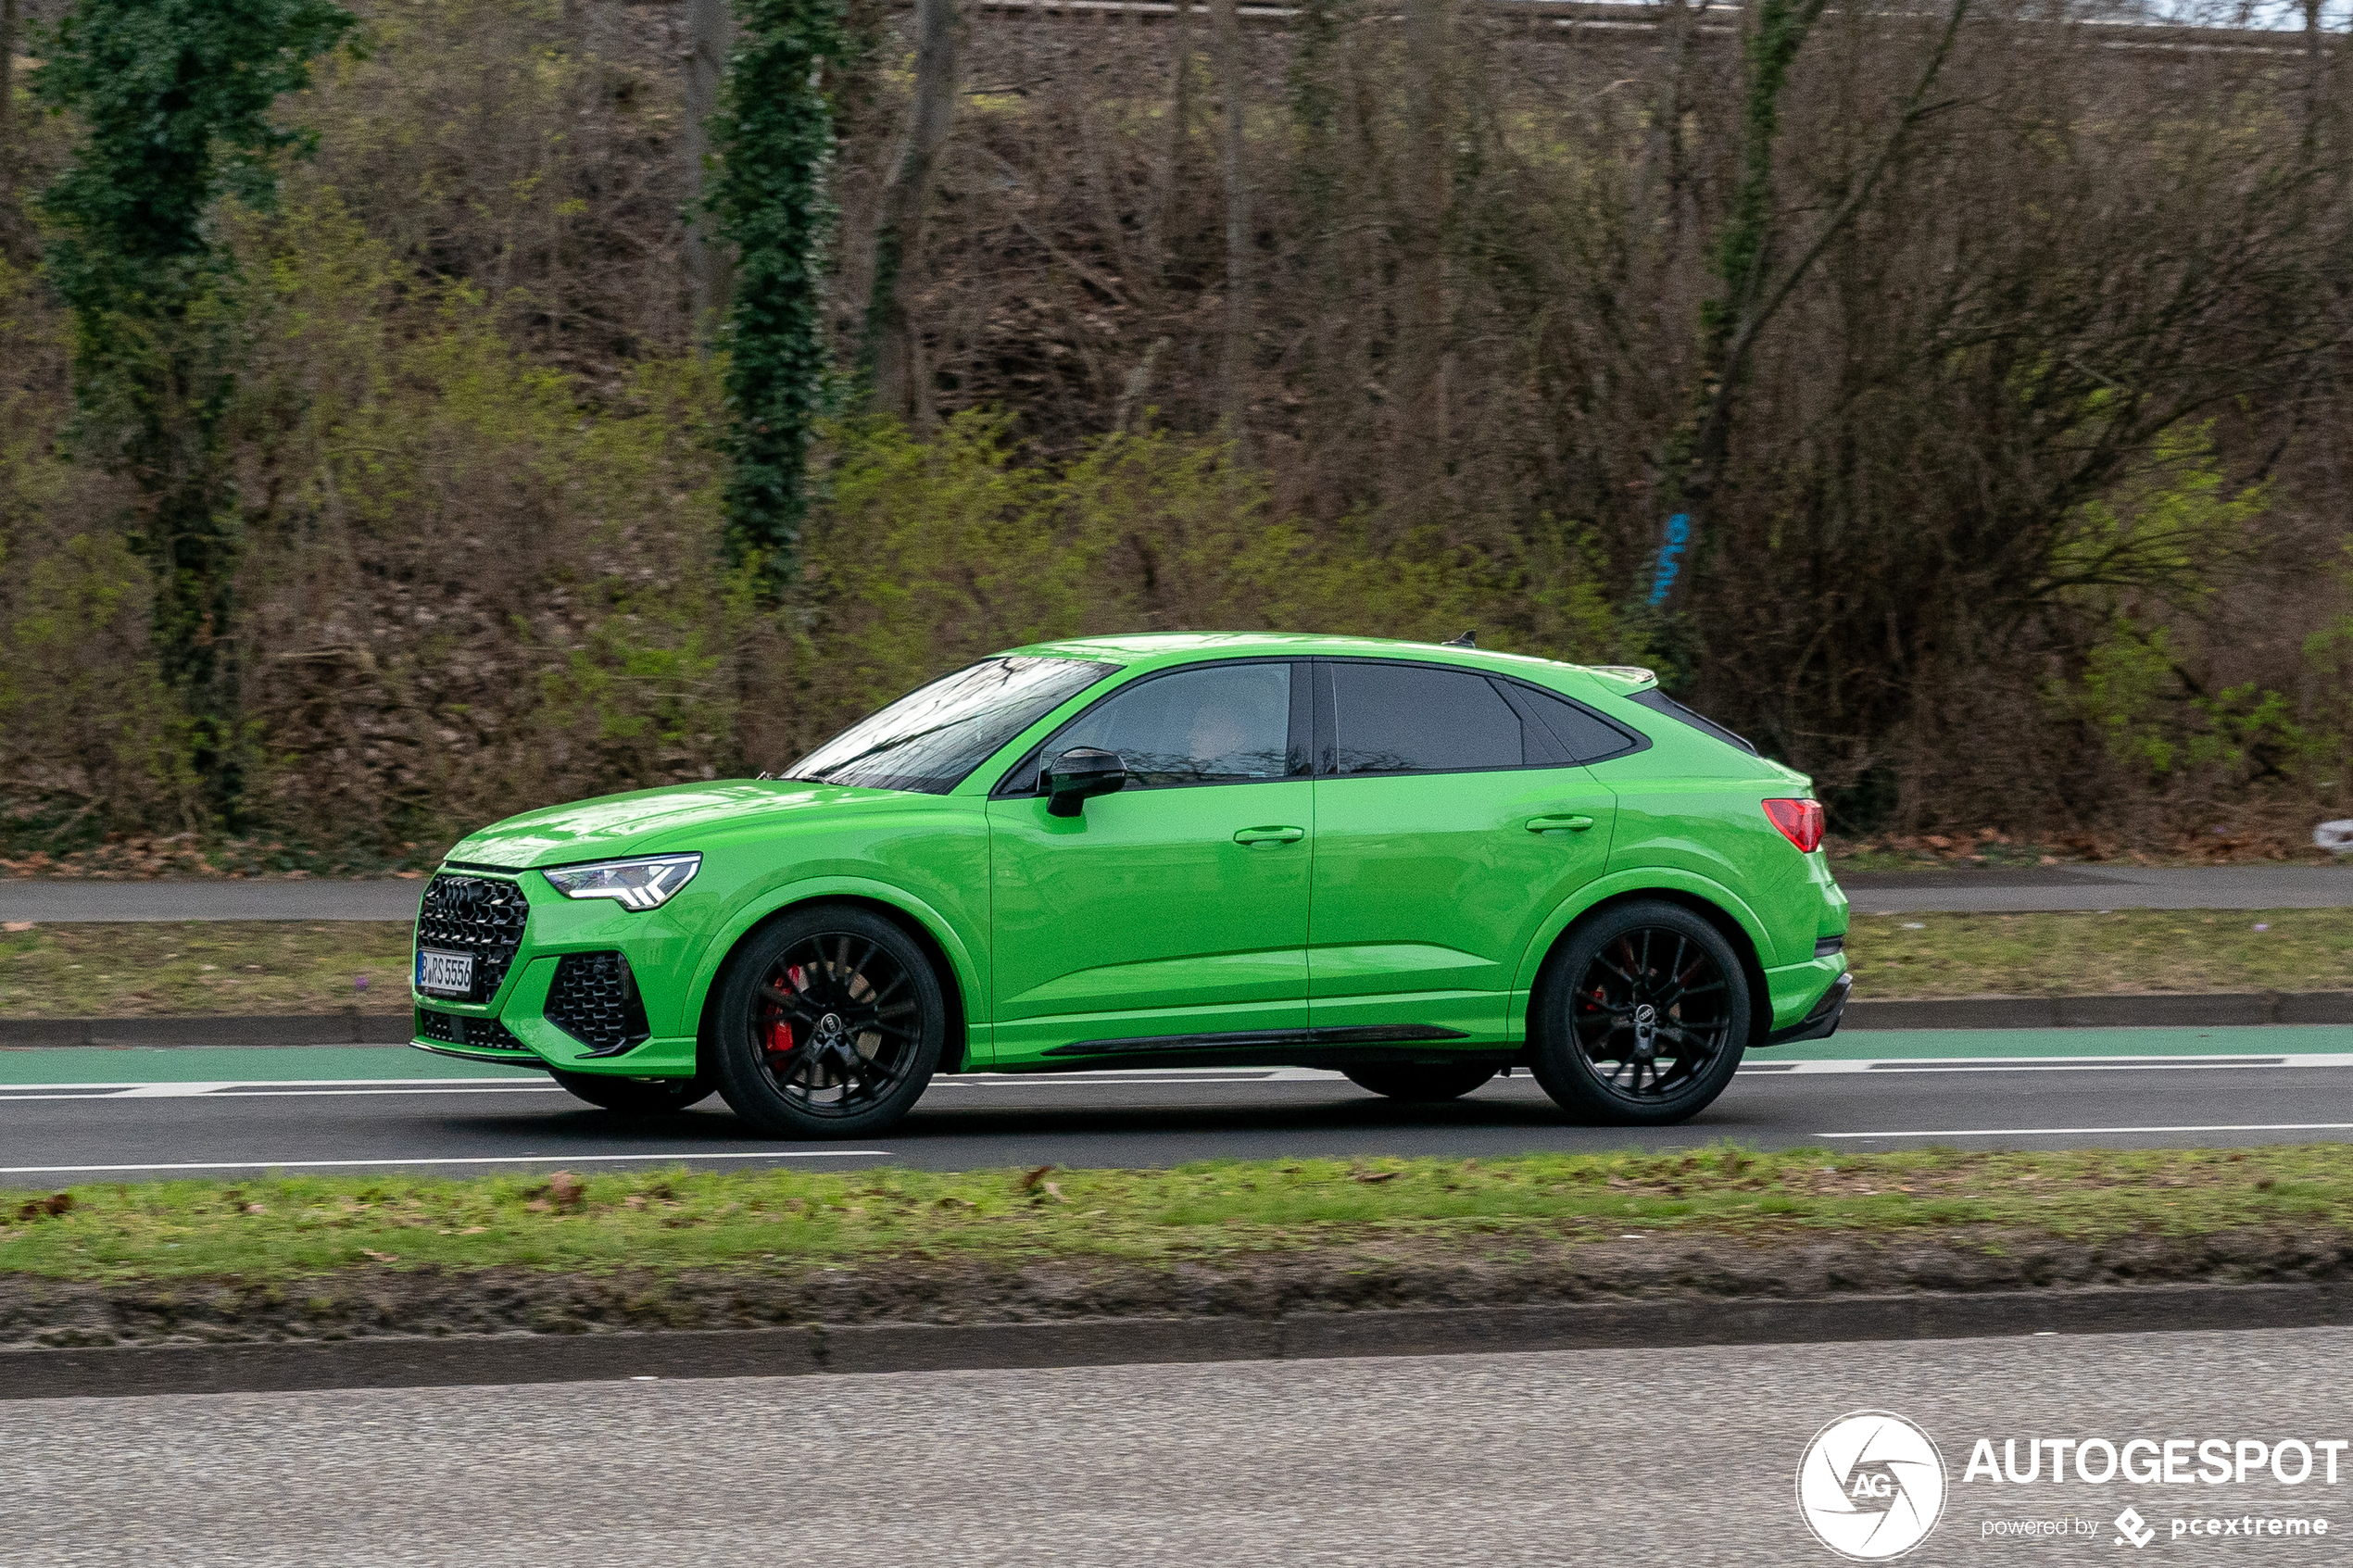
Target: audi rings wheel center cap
x,y
829,1026
1645,1017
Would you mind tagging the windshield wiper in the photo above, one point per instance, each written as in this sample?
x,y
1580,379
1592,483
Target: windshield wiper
x,y
877,749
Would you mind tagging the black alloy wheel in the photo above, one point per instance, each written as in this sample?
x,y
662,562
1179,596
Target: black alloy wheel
x,y
635,1097
1642,1016
830,1023
1420,1082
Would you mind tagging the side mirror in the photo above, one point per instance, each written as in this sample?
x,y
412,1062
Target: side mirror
x,y
1082,771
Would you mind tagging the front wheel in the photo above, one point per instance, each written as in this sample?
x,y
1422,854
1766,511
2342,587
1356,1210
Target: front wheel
x,y
830,1023
1420,1084
1641,1017
635,1097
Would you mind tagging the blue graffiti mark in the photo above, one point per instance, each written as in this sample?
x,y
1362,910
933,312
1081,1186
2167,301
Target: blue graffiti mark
x,y
1678,534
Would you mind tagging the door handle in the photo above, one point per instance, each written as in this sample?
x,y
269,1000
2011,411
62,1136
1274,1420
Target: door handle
x,y
1559,825
1269,835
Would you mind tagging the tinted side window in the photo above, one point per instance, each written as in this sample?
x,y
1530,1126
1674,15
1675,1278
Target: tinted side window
x,y
1229,723
1411,719
1587,734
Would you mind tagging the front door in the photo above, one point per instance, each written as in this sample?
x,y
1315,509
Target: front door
x,y
1175,908
1450,822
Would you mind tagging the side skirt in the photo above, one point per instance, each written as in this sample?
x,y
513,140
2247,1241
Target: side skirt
x,y
1393,1044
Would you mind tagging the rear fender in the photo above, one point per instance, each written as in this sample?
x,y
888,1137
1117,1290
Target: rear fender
x,y
1634,882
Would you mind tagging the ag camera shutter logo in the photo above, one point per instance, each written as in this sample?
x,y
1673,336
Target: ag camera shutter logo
x,y
1871,1485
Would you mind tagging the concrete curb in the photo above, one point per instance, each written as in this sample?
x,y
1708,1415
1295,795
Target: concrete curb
x,y
123,1371
2214,1009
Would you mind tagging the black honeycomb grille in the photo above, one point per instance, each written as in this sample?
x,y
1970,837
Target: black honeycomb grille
x,y
456,1029
475,914
595,1000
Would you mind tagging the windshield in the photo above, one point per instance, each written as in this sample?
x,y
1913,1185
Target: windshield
x,y
930,739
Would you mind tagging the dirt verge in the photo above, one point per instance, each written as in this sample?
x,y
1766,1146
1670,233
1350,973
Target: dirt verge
x,y
388,1303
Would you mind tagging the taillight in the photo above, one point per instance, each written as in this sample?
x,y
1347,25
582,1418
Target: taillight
x,y
1800,822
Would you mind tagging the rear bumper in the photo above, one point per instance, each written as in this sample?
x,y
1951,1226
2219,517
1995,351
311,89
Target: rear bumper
x,y
1821,1024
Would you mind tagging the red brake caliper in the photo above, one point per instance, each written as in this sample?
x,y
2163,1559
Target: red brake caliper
x,y
778,1031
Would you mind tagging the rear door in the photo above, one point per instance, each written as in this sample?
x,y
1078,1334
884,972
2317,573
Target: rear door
x,y
1450,822
1176,908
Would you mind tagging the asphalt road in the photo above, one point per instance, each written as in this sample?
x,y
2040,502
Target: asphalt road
x,y
156,1117
2000,889
2023,889
1607,1458
57,901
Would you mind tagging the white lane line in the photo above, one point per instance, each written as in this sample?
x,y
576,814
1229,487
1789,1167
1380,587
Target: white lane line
x,y
537,1082
1882,1065
240,1092
1040,1080
172,1091
535,1079
2077,1132
470,1160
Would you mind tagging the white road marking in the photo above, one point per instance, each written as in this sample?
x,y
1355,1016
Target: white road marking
x,y
1882,1065
170,1091
240,1092
2074,1132
472,1160
264,1088
538,1082
535,1079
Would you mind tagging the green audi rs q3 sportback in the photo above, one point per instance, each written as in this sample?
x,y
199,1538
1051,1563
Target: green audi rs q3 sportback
x,y
1419,865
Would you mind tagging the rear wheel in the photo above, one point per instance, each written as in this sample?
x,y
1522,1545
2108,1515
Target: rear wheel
x,y
1641,1017
829,1024
1420,1082
635,1097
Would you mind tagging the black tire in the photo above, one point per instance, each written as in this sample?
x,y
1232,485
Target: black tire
x,y
1597,1053
829,1024
1421,1083
637,1096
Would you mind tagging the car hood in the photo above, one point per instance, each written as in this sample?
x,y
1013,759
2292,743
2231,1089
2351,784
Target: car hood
x,y
648,821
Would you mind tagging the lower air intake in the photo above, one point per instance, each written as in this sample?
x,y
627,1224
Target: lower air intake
x,y
457,1029
595,1000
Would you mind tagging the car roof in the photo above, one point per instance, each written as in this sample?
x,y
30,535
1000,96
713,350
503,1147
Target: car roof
x,y
1179,648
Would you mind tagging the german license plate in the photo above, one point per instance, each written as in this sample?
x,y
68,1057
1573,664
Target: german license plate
x,y
445,975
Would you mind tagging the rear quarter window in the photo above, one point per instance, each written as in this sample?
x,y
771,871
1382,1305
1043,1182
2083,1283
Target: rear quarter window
x,y
1660,702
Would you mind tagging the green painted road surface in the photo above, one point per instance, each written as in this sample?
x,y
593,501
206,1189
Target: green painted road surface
x,y
302,1064
239,1064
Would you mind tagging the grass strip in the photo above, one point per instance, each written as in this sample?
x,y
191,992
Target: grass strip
x,y
2121,952
179,969
287,1228
136,968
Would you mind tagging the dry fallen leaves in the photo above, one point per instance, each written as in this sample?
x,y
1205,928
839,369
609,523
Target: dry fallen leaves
x,y
380,1257
56,1203
1030,1179
1376,1175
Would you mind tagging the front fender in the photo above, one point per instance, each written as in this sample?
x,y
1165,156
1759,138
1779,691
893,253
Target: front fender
x,y
1616,884
758,907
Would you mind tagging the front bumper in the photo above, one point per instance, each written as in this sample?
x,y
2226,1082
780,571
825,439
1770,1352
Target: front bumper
x,y
514,1026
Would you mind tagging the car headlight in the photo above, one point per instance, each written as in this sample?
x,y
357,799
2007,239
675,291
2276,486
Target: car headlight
x,y
645,882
